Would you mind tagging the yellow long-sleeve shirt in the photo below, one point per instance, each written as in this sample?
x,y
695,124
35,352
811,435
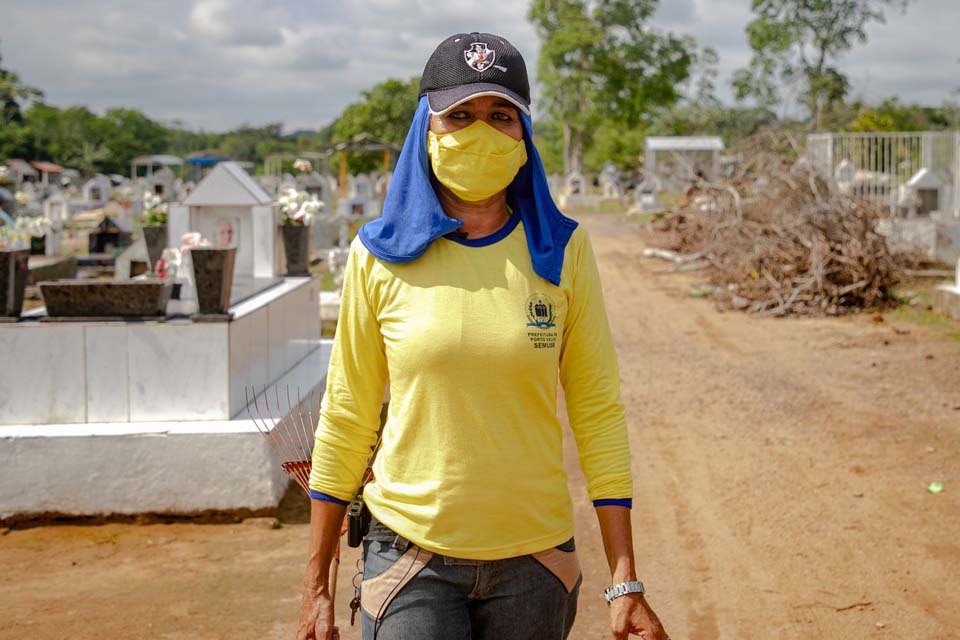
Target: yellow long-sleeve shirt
x,y
473,343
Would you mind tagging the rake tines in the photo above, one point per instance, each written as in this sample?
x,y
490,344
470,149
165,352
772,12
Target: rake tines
x,y
289,434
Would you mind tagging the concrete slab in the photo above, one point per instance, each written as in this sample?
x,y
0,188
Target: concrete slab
x,y
84,469
946,299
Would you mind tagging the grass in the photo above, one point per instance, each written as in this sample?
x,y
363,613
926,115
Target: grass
x,y
928,318
921,312
326,278
603,207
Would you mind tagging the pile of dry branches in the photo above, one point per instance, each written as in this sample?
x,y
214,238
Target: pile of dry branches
x,y
778,241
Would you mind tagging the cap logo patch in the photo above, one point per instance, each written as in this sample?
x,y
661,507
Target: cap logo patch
x,y
479,57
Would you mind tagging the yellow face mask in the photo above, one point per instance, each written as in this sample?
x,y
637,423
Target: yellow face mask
x,y
477,161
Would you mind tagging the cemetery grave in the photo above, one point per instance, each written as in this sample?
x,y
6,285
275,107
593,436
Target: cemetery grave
x,y
142,384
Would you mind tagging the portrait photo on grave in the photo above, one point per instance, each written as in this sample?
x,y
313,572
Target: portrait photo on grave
x,y
227,233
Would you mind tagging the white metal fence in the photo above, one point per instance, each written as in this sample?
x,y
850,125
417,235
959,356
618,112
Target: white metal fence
x,y
879,165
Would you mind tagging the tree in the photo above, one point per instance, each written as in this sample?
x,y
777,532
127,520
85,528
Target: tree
x,y
600,62
800,41
384,112
704,74
12,93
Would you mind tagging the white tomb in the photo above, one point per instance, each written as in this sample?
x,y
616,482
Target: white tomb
x,y
56,209
151,415
231,210
160,183
610,181
96,191
677,160
361,200
924,193
946,298
574,193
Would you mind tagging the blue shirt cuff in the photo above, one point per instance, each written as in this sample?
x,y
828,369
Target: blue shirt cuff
x,y
316,495
615,502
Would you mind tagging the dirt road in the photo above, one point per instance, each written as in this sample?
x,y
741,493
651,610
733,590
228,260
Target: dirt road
x,y
781,492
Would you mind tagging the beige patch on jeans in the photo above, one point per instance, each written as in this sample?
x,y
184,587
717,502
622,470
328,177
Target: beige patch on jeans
x,y
377,593
565,565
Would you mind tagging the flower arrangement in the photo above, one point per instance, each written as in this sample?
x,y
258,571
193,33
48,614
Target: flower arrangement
x,y
302,165
123,195
297,208
193,240
26,227
154,209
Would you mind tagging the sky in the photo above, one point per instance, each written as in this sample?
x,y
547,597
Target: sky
x,y
217,64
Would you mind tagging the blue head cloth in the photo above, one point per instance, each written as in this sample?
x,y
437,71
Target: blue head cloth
x,y
412,217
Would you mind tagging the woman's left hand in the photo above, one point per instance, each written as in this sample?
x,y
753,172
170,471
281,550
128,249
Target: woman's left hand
x,y
630,614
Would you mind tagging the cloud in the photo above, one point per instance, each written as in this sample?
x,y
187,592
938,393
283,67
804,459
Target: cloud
x,y
232,23
218,63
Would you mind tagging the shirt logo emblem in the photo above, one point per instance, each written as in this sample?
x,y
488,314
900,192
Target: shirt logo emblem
x,y
540,313
479,57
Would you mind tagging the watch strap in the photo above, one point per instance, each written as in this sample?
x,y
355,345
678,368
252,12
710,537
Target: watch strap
x,y
622,589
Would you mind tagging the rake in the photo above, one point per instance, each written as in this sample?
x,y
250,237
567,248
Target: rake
x,y
291,439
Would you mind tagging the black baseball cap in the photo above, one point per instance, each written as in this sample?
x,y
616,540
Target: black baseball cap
x,y
468,65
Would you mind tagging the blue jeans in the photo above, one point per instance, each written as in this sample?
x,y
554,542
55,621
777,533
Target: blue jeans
x,y
409,593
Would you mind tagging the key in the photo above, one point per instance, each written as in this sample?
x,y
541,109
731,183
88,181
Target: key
x,y
354,607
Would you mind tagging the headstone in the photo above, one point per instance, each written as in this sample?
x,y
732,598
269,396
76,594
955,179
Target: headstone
x,y
56,209
610,181
360,186
231,210
314,184
845,176
161,184
383,183
96,191
574,184
922,193
645,196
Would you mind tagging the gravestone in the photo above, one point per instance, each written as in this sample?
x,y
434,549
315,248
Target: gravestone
x,y
361,200
96,191
574,184
574,194
161,183
382,184
946,298
845,176
231,210
645,198
56,209
610,181
921,195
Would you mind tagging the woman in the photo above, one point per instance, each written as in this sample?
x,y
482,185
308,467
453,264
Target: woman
x,y
472,295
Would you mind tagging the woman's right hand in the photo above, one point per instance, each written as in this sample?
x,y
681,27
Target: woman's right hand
x,y
316,616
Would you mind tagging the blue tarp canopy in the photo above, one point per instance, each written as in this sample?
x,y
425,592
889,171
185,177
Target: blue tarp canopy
x,y
206,161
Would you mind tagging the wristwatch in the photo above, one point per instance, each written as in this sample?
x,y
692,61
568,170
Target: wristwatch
x,y
622,589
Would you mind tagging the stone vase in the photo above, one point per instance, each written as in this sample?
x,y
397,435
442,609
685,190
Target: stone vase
x,y
155,237
296,246
13,280
213,277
